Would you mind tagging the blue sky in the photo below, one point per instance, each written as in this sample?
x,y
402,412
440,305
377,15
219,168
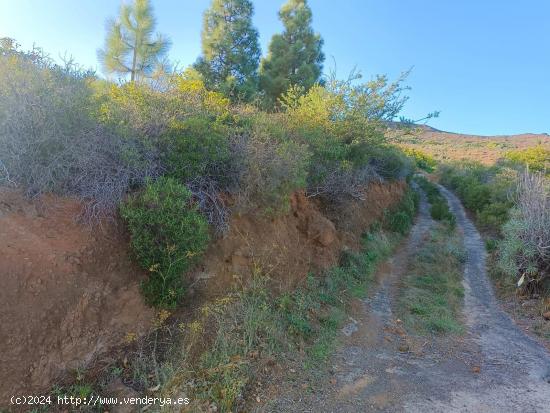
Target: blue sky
x,y
485,64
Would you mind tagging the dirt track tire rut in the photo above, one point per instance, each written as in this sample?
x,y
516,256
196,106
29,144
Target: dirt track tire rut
x,y
514,368
492,367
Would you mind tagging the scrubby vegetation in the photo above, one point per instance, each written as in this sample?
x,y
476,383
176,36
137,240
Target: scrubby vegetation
x,y
486,191
536,158
400,218
98,141
511,203
423,160
524,251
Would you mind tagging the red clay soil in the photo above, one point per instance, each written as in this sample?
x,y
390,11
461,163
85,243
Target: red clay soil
x,y
70,293
286,248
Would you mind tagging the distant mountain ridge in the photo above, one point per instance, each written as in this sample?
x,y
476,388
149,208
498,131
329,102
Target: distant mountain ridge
x,y
428,128
448,146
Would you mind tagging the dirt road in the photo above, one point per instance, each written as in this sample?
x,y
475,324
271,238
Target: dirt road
x,y
380,367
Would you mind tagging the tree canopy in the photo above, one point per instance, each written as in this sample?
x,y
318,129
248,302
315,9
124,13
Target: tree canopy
x,y
295,56
230,49
131,47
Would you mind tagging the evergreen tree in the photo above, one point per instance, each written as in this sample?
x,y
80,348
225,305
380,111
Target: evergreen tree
x,y
230,49
295,56
130,45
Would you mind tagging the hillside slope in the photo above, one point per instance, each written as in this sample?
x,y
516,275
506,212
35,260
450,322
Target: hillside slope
x,y
448,146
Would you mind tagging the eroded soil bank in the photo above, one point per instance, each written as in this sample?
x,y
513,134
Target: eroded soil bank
x,y
71,293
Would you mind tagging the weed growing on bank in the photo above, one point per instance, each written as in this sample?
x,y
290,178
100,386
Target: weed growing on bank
x,y
400,218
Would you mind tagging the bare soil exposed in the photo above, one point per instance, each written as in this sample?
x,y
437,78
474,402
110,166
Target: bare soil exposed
x,y
68,293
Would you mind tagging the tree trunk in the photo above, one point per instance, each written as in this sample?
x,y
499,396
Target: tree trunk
x,y
134,61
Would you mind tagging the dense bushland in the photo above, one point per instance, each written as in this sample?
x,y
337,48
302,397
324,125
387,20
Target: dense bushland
x,y
63,130
486,191
50,140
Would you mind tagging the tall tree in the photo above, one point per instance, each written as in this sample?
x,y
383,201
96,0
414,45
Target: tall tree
x,y
295,57
230,49
131,45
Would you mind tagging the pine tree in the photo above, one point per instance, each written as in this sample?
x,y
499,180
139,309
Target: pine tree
x,y
130,45
295,56
230,49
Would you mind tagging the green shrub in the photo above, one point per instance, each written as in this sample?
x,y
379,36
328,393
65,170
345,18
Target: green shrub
x,y
342,124
400,222
168,234
195,148
273,164
439,209
390,162
476,195
422,160
400,218
494,215
523,252
440,212
537,158
486,191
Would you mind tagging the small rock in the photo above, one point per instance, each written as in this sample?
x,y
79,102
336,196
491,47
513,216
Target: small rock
x,y
546,315
403,348
349,329
476,369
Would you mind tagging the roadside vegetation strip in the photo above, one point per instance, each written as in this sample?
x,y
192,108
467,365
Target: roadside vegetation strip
x,y
511,203
433,294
